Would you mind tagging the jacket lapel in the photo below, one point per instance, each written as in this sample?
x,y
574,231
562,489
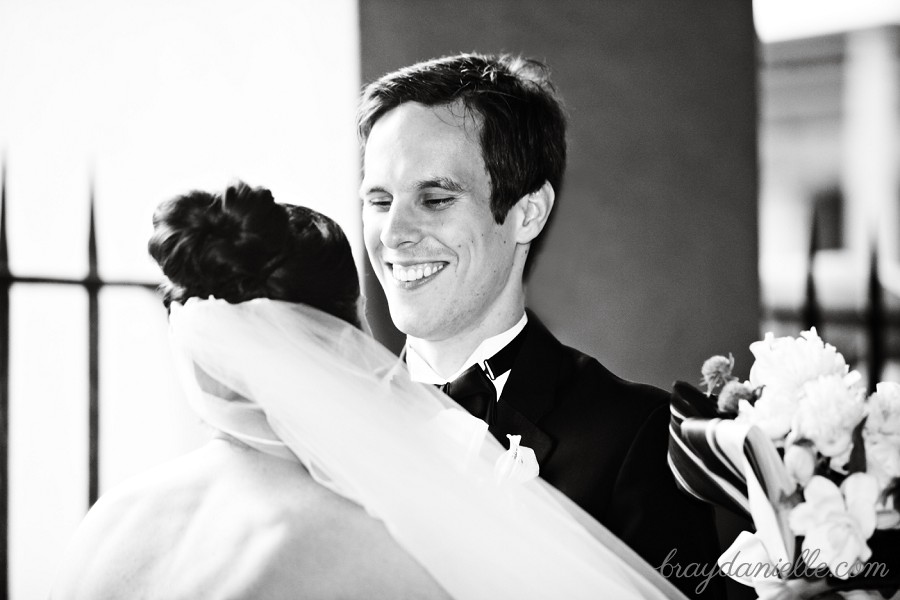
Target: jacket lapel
x,y
529,392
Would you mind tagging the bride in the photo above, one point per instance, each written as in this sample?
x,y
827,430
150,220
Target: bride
x,y
330,474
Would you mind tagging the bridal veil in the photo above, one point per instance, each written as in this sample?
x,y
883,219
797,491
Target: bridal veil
x,y
315,387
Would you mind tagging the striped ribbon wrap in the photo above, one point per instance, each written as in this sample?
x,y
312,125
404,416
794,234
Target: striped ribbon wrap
x,y
733,465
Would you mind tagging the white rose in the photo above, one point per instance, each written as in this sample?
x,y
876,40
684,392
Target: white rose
x,y
836,522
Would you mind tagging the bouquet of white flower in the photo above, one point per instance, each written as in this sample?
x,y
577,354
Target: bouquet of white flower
x,y
802,451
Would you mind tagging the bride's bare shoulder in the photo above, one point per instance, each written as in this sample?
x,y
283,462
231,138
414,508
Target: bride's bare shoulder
x,y
227,521
121,536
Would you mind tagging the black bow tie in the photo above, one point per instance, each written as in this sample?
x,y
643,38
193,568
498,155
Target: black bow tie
x,y
474,389
474,392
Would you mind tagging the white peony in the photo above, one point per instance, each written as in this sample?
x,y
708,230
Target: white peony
x,y
784,364
882,433
800,462
883,411
771,414
827,412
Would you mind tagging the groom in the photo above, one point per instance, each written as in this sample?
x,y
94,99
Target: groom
x,y
464,158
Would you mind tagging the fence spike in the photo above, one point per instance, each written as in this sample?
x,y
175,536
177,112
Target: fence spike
x,y
875,323
811,315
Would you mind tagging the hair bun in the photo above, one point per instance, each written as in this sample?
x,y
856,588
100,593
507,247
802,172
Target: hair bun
x,y
220,245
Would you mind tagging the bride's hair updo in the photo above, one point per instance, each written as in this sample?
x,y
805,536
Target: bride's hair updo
x,y
242,245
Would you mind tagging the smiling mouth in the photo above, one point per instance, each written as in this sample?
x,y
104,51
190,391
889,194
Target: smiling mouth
x,y
416,272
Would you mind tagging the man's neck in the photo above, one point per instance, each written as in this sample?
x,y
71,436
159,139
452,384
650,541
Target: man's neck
x,y
447,356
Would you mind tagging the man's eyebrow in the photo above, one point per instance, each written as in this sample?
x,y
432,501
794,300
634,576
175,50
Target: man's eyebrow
x,y
375,189
444,183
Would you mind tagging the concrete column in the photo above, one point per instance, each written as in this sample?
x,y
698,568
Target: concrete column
x,y
871,144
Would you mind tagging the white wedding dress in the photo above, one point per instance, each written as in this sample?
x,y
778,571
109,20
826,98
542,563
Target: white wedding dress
x,y
317,388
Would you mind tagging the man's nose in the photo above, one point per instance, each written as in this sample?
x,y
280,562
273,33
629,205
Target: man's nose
x,y
402,226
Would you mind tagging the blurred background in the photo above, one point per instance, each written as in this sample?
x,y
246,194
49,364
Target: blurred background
x,y
734,169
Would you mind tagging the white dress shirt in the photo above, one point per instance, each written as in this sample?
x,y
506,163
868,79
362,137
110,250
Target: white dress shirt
x,y
420,370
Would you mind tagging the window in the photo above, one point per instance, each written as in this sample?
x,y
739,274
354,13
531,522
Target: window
x,y
133,103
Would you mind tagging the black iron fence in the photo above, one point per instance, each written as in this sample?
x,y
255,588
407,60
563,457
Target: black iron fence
x,y
92,284
877,324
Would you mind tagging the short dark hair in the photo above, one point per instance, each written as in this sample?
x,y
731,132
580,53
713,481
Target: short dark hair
x,y
242,245
523,124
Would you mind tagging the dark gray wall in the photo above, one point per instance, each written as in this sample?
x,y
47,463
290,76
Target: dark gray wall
x,y
651,263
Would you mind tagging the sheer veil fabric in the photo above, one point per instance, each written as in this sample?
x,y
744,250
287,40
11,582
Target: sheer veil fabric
x,y
317,388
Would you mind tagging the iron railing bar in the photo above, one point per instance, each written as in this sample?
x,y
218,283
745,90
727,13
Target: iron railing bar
x,y
92,285
4,391
4,250
833,316
875,324
812,316
9,278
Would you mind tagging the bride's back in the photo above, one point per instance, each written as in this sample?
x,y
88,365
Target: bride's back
x,y
230,522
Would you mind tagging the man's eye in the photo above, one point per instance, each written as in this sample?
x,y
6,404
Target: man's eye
x,y
381,203
437,202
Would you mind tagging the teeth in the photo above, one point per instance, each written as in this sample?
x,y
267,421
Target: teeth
x,y
416,272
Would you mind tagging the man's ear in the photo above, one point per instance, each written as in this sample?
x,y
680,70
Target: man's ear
x,y
532,212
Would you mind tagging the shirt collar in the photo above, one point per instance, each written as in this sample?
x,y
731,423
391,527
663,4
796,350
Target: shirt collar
x,y
420,370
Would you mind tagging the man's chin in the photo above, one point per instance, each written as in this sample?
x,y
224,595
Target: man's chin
x,y
414,325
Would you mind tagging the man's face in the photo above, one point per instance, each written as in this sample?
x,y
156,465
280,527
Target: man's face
x,y
443,261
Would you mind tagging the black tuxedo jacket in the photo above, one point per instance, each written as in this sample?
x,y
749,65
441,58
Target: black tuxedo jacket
x,y
603,442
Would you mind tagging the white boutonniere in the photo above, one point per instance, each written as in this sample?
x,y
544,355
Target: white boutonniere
x,y
518,464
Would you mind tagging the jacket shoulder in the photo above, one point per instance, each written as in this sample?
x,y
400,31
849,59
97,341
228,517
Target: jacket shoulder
x,y
583,375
